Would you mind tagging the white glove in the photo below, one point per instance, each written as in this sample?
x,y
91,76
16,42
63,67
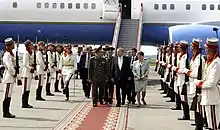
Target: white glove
x,y
157,60
160,62
18,77
163,64
196,82
174,68
168,65
185,70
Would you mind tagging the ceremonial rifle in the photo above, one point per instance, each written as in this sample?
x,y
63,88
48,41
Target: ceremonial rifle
x,y
156,67
184,88
46,61
55,58
17,64
199,77
35,60
170,62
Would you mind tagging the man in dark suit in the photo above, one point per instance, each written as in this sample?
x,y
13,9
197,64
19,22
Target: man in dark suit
x,y
121,74
83,69
131,86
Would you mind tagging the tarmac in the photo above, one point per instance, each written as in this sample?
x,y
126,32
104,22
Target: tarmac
x,y
50,114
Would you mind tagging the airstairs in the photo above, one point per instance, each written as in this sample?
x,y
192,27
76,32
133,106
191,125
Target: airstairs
x,y
128,32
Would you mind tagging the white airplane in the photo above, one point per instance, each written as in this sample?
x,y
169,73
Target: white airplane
x,y
88,21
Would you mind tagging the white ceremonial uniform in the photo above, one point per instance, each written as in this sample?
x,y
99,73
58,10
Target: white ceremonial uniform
x,y
28,61
167,69
181,74
8,79
51,67
40,67
68,65
211,93
162,62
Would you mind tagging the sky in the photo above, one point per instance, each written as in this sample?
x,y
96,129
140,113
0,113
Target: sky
x,y
149,50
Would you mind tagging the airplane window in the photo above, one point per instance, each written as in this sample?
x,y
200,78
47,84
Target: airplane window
x,y
93,5
218,7
85,5
62,5
70,6
172,7
54,5
203,7
164,6
15,5
188,6
156,6
212,7
46,5
38,5
77,5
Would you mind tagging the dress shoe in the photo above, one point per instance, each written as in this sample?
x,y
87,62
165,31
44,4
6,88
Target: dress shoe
x,y
171,101
144,101
118,105
94,105
123,103
176,108
184,118
163,93
194,124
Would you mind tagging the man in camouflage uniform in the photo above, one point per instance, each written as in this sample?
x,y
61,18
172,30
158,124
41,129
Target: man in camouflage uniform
x,y
98,76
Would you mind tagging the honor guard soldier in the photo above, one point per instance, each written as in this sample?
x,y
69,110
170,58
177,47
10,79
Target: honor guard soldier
x,y
9,76
109,90
59,51
27,72
67,67
40,70
176,61
209,84
98,76
195,72
51,72
182,79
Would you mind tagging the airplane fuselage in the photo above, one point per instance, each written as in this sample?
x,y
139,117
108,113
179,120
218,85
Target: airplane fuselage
x,y
83,21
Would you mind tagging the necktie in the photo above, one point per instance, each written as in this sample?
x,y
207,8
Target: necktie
x,y
140,71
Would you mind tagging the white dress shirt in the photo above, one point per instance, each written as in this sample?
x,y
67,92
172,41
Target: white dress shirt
x,y
120,62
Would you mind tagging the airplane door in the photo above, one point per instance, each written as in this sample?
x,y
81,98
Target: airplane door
x,y
126,9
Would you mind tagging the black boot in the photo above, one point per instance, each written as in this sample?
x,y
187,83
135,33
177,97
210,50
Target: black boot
x,y
165,88
67,91
161,83
56,85
38,94
185,111
62,83
25,98
48,93
6,105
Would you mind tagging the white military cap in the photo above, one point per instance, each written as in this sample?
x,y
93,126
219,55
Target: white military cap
x,y
183,43
212,43
26,43
8,41
196,42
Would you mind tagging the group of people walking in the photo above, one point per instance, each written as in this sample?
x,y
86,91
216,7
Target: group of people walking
x,y
192,82
129,74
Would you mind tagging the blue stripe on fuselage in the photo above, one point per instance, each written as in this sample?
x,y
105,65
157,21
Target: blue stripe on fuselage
x,y
76,33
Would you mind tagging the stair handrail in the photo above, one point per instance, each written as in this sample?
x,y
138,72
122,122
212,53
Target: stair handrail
x,y
117,29
140,28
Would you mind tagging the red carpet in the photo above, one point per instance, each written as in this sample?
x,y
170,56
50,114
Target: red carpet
x,y
102,117
96,119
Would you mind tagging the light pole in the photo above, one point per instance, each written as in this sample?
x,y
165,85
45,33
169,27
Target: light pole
x,y
216,31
